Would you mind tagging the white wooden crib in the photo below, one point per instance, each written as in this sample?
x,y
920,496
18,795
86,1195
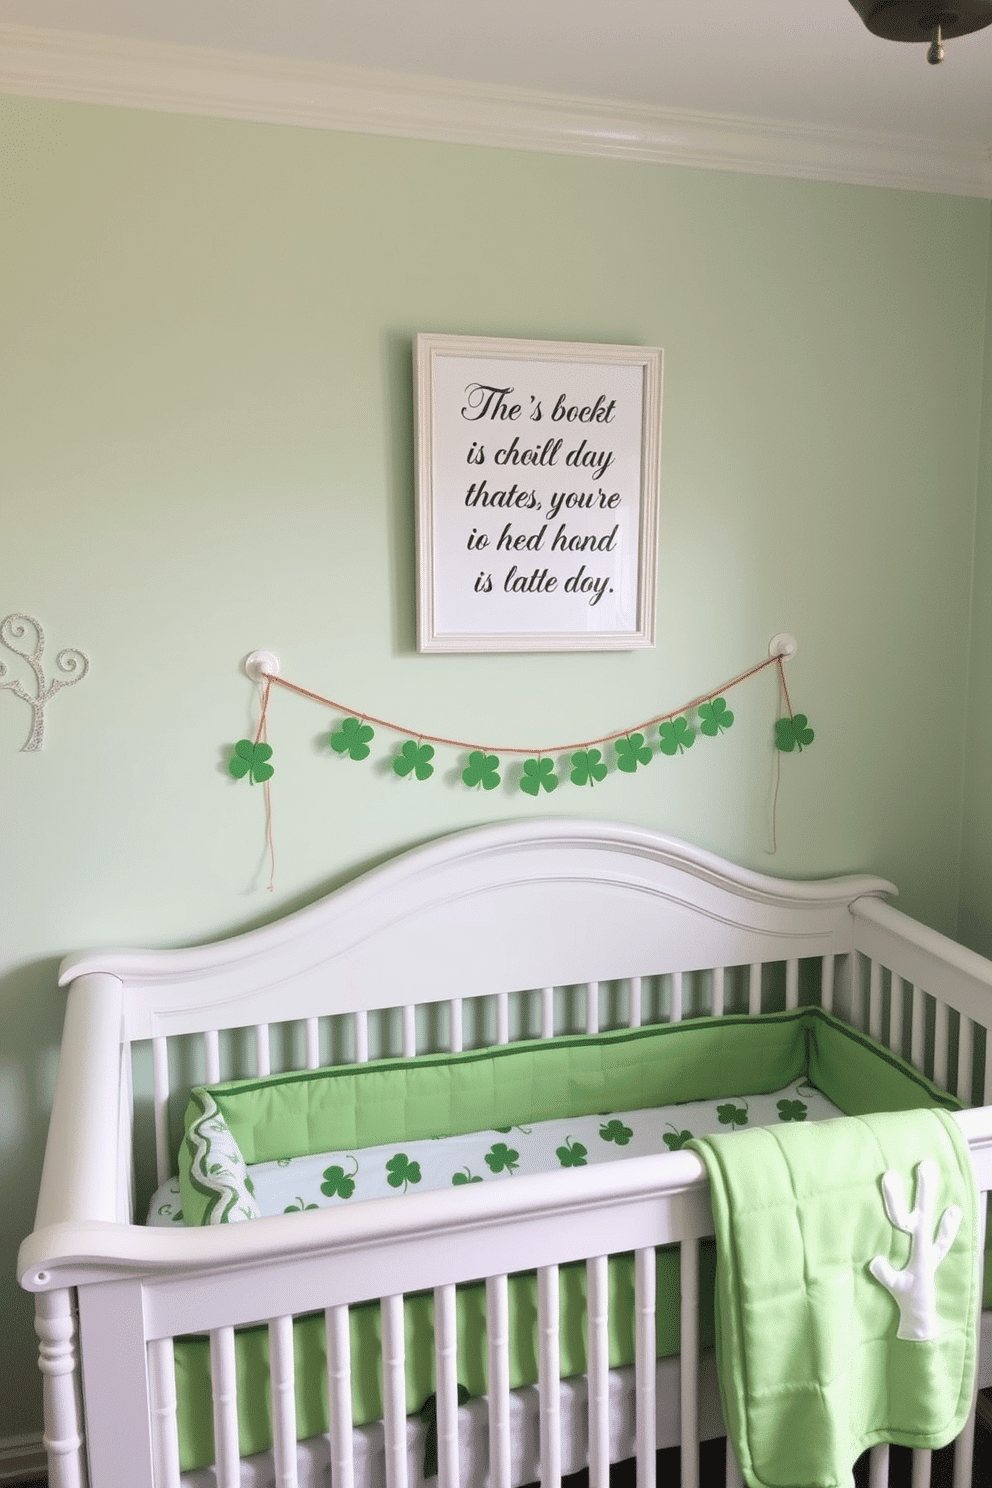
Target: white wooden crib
x,y
518,931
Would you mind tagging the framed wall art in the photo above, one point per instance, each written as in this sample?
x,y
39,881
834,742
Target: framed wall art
x,y
538,470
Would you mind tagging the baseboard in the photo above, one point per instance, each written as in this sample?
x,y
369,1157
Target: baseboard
x,y
21,1457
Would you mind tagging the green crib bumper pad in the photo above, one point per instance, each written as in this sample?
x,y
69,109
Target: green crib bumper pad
x,y
275,1117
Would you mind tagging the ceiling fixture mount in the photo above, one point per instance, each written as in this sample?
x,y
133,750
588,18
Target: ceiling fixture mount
x,y
922,20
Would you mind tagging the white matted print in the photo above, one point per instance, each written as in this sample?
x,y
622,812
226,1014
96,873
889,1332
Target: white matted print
x,y
538,468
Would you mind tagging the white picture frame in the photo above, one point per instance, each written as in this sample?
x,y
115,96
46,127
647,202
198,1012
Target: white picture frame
x,y
538,468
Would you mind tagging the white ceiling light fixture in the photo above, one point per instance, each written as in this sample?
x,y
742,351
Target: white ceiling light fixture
x,y
922,20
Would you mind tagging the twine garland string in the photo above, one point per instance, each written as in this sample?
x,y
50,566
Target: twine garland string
x,y
398,728
248,761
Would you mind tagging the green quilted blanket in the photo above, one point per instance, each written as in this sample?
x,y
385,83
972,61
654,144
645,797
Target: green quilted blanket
x,y
847,1291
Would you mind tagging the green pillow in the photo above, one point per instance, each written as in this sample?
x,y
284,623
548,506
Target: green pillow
x,y
213,1179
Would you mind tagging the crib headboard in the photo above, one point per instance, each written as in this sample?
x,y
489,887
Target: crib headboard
x,y
484,912
522,930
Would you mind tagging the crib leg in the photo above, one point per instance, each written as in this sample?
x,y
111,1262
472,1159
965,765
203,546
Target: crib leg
x,y
55,1326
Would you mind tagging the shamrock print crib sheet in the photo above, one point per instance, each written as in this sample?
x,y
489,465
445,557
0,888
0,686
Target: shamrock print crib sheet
x,y
291,1185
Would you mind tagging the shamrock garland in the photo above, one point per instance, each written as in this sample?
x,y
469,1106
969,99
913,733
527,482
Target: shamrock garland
x,y
585,763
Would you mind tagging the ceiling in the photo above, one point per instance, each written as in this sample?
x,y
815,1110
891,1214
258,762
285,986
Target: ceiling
x,y
798,64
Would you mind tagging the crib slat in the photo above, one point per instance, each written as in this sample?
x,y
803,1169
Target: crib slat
x,y
875,1001
211,1056
857,990
987,1091
394,1389
645,1348
409,1031
446,1383
921,1468
337,1336
964,1453
827,966
361,1036
498,1347
502,1018
456,1041
224,1385
754,989
634,1020
964,1447
547,1012
263,1061
878,1466
282,1390
549,1375
676,997
917,1028
792,982
966,1058
598,1365
897,1008
592,1007
165,1430
719,991
160,1097
689,1360
313,1043
941,1062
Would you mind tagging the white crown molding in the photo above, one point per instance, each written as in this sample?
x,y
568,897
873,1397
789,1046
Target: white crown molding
x,y
37,62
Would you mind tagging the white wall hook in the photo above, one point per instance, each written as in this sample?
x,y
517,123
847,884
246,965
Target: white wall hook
x,y
783,645
261,664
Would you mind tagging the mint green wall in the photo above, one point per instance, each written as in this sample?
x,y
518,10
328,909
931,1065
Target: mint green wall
x,y
205,437
975,910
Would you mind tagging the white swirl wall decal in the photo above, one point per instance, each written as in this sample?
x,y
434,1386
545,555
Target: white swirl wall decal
x,y
72,663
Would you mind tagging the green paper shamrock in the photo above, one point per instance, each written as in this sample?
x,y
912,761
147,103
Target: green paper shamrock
x,y
676,1140
539,774
415,759
587,767
352,739
402,1171
714,716
464,1176
615,1131
572,1155
791,1110
501,1158
676,736
793,733
482,769
632,751
731,1115
299,1206
253,760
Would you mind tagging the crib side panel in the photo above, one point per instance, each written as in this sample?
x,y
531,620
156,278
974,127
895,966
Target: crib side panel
x,y
927,998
